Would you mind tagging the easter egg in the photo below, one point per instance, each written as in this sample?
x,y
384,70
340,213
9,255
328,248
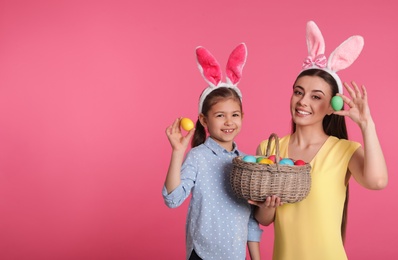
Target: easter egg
x,y
273,158
249,158
286,161
259,159
299,162
186,124
266,161
337,103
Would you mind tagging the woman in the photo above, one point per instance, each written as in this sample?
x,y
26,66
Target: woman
x,y
315,227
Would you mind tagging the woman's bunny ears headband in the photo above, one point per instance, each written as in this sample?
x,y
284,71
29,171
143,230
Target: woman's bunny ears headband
x,y
211,70
342,57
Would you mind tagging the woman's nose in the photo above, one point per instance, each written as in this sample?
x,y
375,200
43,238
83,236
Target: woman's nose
x,y
303,101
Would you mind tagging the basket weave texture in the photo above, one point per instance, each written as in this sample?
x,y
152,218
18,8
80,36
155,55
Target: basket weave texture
x,y
254,181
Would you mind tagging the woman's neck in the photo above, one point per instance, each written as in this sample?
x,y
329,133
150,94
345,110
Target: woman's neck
x,y
305,144
307,136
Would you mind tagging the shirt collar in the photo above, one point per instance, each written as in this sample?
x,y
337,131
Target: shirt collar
x,y
218,149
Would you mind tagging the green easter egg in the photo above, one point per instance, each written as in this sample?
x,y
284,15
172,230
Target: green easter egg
x,y
337,103
259,159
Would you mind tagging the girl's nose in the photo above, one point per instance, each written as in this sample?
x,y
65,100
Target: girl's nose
x,y
228,121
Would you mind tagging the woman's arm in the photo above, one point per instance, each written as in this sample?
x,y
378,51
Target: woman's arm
x,y
367,165
264,213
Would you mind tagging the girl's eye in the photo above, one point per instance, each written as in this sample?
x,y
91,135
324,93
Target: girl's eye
x,y
236,115
219,115
297,92
316,97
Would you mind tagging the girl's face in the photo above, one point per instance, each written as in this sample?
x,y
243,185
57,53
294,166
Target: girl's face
x,y
310,101
223,122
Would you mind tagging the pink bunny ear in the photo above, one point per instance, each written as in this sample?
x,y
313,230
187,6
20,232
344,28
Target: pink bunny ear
x,y
211,71
344,55
236,62
341,58
208,66
316,47
315,41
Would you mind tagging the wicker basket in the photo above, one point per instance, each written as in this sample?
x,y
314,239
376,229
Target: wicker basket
x,y
254,181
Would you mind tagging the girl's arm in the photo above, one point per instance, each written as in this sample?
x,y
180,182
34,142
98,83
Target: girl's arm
x,y
254,250
367,165
179,144
253,236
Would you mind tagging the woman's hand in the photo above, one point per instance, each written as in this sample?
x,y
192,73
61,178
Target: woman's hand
x,y
177,140
270,202
265,211
367,165
359,109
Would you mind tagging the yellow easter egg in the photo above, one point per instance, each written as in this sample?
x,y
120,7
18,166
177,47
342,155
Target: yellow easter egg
x,y
266,161
186,124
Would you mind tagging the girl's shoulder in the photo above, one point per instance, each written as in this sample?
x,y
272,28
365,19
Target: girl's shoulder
x,y
200,150
196,149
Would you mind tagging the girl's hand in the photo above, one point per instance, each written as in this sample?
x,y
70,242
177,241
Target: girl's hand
x,y
177,140
270,202
359,110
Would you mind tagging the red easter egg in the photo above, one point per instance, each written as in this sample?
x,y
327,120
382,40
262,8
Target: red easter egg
x,y
299,162
273,158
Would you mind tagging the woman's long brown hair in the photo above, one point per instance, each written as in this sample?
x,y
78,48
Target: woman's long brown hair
x,y
333,125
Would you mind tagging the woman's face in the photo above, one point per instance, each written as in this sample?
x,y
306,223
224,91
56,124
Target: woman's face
x,y
310,101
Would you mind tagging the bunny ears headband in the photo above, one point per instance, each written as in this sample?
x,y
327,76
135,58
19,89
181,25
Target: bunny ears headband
x,y
342,57
211,70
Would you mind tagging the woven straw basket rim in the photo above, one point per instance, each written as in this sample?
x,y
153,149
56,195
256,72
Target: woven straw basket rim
x,y
254,181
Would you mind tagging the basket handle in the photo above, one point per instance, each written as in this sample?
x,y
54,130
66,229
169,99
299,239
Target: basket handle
x,y
275,137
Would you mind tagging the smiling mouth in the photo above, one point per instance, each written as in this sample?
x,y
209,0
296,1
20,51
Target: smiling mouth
x,y
228,131
301,112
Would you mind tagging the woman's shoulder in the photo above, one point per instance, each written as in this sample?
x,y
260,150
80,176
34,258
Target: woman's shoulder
x,y
342,144
281,139
262,147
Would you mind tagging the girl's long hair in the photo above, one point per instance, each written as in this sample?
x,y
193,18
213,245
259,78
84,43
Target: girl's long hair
x,y
217,95
333,125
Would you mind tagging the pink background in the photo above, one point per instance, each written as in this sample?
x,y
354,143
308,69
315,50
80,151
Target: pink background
x,y
87,89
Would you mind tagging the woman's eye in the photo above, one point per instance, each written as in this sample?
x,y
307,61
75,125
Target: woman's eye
x,y
316,97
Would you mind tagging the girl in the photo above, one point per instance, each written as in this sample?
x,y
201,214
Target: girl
x,y
218,224
315,227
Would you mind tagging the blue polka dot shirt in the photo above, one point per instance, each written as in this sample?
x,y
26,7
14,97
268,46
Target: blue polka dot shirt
x,y
218,224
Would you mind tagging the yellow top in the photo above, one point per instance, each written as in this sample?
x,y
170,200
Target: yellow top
x,y
311,229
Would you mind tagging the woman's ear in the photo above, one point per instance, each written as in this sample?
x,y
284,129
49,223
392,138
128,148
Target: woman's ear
x,y
203,120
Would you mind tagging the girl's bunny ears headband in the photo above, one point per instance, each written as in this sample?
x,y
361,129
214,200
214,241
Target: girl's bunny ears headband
x,y
211,70
342,57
